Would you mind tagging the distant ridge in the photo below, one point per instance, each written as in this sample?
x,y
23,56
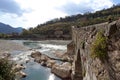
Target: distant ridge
x,y
7,29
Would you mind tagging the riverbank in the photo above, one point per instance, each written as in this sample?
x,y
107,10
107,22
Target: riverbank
x,y
21,50
9,46
6,48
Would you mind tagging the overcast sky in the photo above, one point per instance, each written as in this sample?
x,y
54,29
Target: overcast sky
x,y
29,13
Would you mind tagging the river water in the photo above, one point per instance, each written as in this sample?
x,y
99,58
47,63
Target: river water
x,y
34,70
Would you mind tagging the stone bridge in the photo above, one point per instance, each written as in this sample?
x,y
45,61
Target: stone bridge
x,y
87,68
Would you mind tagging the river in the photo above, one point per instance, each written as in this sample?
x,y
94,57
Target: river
x,y
34,70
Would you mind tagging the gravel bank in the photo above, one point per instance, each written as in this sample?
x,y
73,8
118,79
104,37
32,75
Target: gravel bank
x,y
9,46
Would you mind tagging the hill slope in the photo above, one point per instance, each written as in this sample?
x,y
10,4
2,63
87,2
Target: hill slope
x,y
7,29
64,24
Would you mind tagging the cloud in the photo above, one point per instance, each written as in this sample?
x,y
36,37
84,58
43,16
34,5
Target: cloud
x,y
72,8
82,6
10,6
34,12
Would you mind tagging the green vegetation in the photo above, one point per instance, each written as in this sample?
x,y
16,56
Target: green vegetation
x,y
47,30
99,47
6,72
64,24
3,35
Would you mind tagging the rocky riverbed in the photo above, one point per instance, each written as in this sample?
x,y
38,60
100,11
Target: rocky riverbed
x,y
47,53
6,48
62,70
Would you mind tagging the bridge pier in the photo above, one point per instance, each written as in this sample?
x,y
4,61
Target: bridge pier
x,y
77,73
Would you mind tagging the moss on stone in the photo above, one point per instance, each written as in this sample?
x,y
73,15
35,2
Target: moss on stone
x,y
99,47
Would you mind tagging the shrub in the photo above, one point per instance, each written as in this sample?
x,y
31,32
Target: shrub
x,y
6,72
99,47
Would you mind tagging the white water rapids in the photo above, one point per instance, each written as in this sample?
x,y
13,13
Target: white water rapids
x,y
34,70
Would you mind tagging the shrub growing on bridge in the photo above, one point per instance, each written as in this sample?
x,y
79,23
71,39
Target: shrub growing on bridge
x,y
99,46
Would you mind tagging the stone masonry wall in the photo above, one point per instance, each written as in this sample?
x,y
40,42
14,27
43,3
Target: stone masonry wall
x,y
87,68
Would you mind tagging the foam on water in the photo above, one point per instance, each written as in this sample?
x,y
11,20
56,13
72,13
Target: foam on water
x,y
42,50
48,49
34,70
53,46
51,77
22,57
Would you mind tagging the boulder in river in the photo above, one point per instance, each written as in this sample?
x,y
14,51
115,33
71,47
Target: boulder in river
x,y
44,57
63,70
35,54
18,70
50,63
18,67
21,74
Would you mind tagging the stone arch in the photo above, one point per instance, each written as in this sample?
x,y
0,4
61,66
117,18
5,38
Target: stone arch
x,y
78,67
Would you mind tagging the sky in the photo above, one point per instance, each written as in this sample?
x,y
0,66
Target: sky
x,y
30,13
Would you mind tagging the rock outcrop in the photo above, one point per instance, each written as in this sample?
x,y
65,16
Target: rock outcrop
x,y
17,68
62,70
35,54
21,74
93,68
43,59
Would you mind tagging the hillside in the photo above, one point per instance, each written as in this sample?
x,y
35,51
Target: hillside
x,y
7,29
61,27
